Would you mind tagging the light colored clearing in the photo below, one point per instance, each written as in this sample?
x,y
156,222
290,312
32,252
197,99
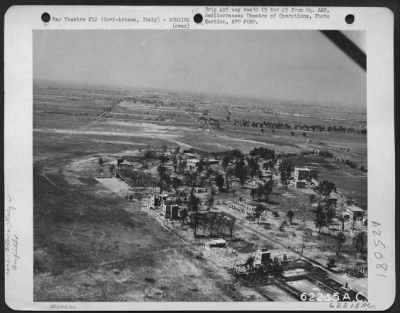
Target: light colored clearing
x,y
149,127
155,135
120,142
115,185
307,286
276,147
182,144
277,294
360,284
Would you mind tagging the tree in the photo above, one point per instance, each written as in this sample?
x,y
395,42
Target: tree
x,y
237,154
253,166
211,222
228,176
330,214
162,170
101,162
326,187
290,215
189,179
220,221
225,161
176,182
320,218
285,168
231,225
164,177
183,216
195,218
360,243
341,239
342,220
163,159
182,165
250,263
292,133
241,171
112,169
211,199
194,202
304,134
267,189
139,197
200,166
148,155
175,162
254,193
219,180
164,148
259,210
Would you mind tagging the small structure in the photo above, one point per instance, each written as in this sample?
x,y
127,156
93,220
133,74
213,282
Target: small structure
x,y
122,163
302,173
212,161
295,274
192,163
301,183
332,200
262,256
189,155
210,122
200,190
213,122
354,212
170,208
216,243
156,201
242,207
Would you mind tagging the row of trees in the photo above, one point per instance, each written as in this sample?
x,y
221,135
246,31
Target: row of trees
x,y
313,128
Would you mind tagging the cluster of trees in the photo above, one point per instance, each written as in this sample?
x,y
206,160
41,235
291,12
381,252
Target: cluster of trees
x,y
285,168
241,171
165,178
220,181
326,187
259,211
231,156
350,163
145,99
360,243
264,153
213,223
323,216
313,128
262,191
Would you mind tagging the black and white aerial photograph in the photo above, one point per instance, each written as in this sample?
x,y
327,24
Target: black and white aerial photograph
x,y
198,166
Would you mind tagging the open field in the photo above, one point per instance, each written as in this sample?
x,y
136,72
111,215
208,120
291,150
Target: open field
x,y
93,245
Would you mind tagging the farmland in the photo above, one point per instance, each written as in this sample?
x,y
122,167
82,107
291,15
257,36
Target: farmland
x,y
92,244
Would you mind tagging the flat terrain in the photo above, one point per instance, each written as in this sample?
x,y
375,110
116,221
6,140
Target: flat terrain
x,y
93,245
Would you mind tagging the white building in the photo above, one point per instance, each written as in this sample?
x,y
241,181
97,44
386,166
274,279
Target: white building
x,y
301,173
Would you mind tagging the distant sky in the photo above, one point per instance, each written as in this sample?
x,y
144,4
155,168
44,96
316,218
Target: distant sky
x,y
300,66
